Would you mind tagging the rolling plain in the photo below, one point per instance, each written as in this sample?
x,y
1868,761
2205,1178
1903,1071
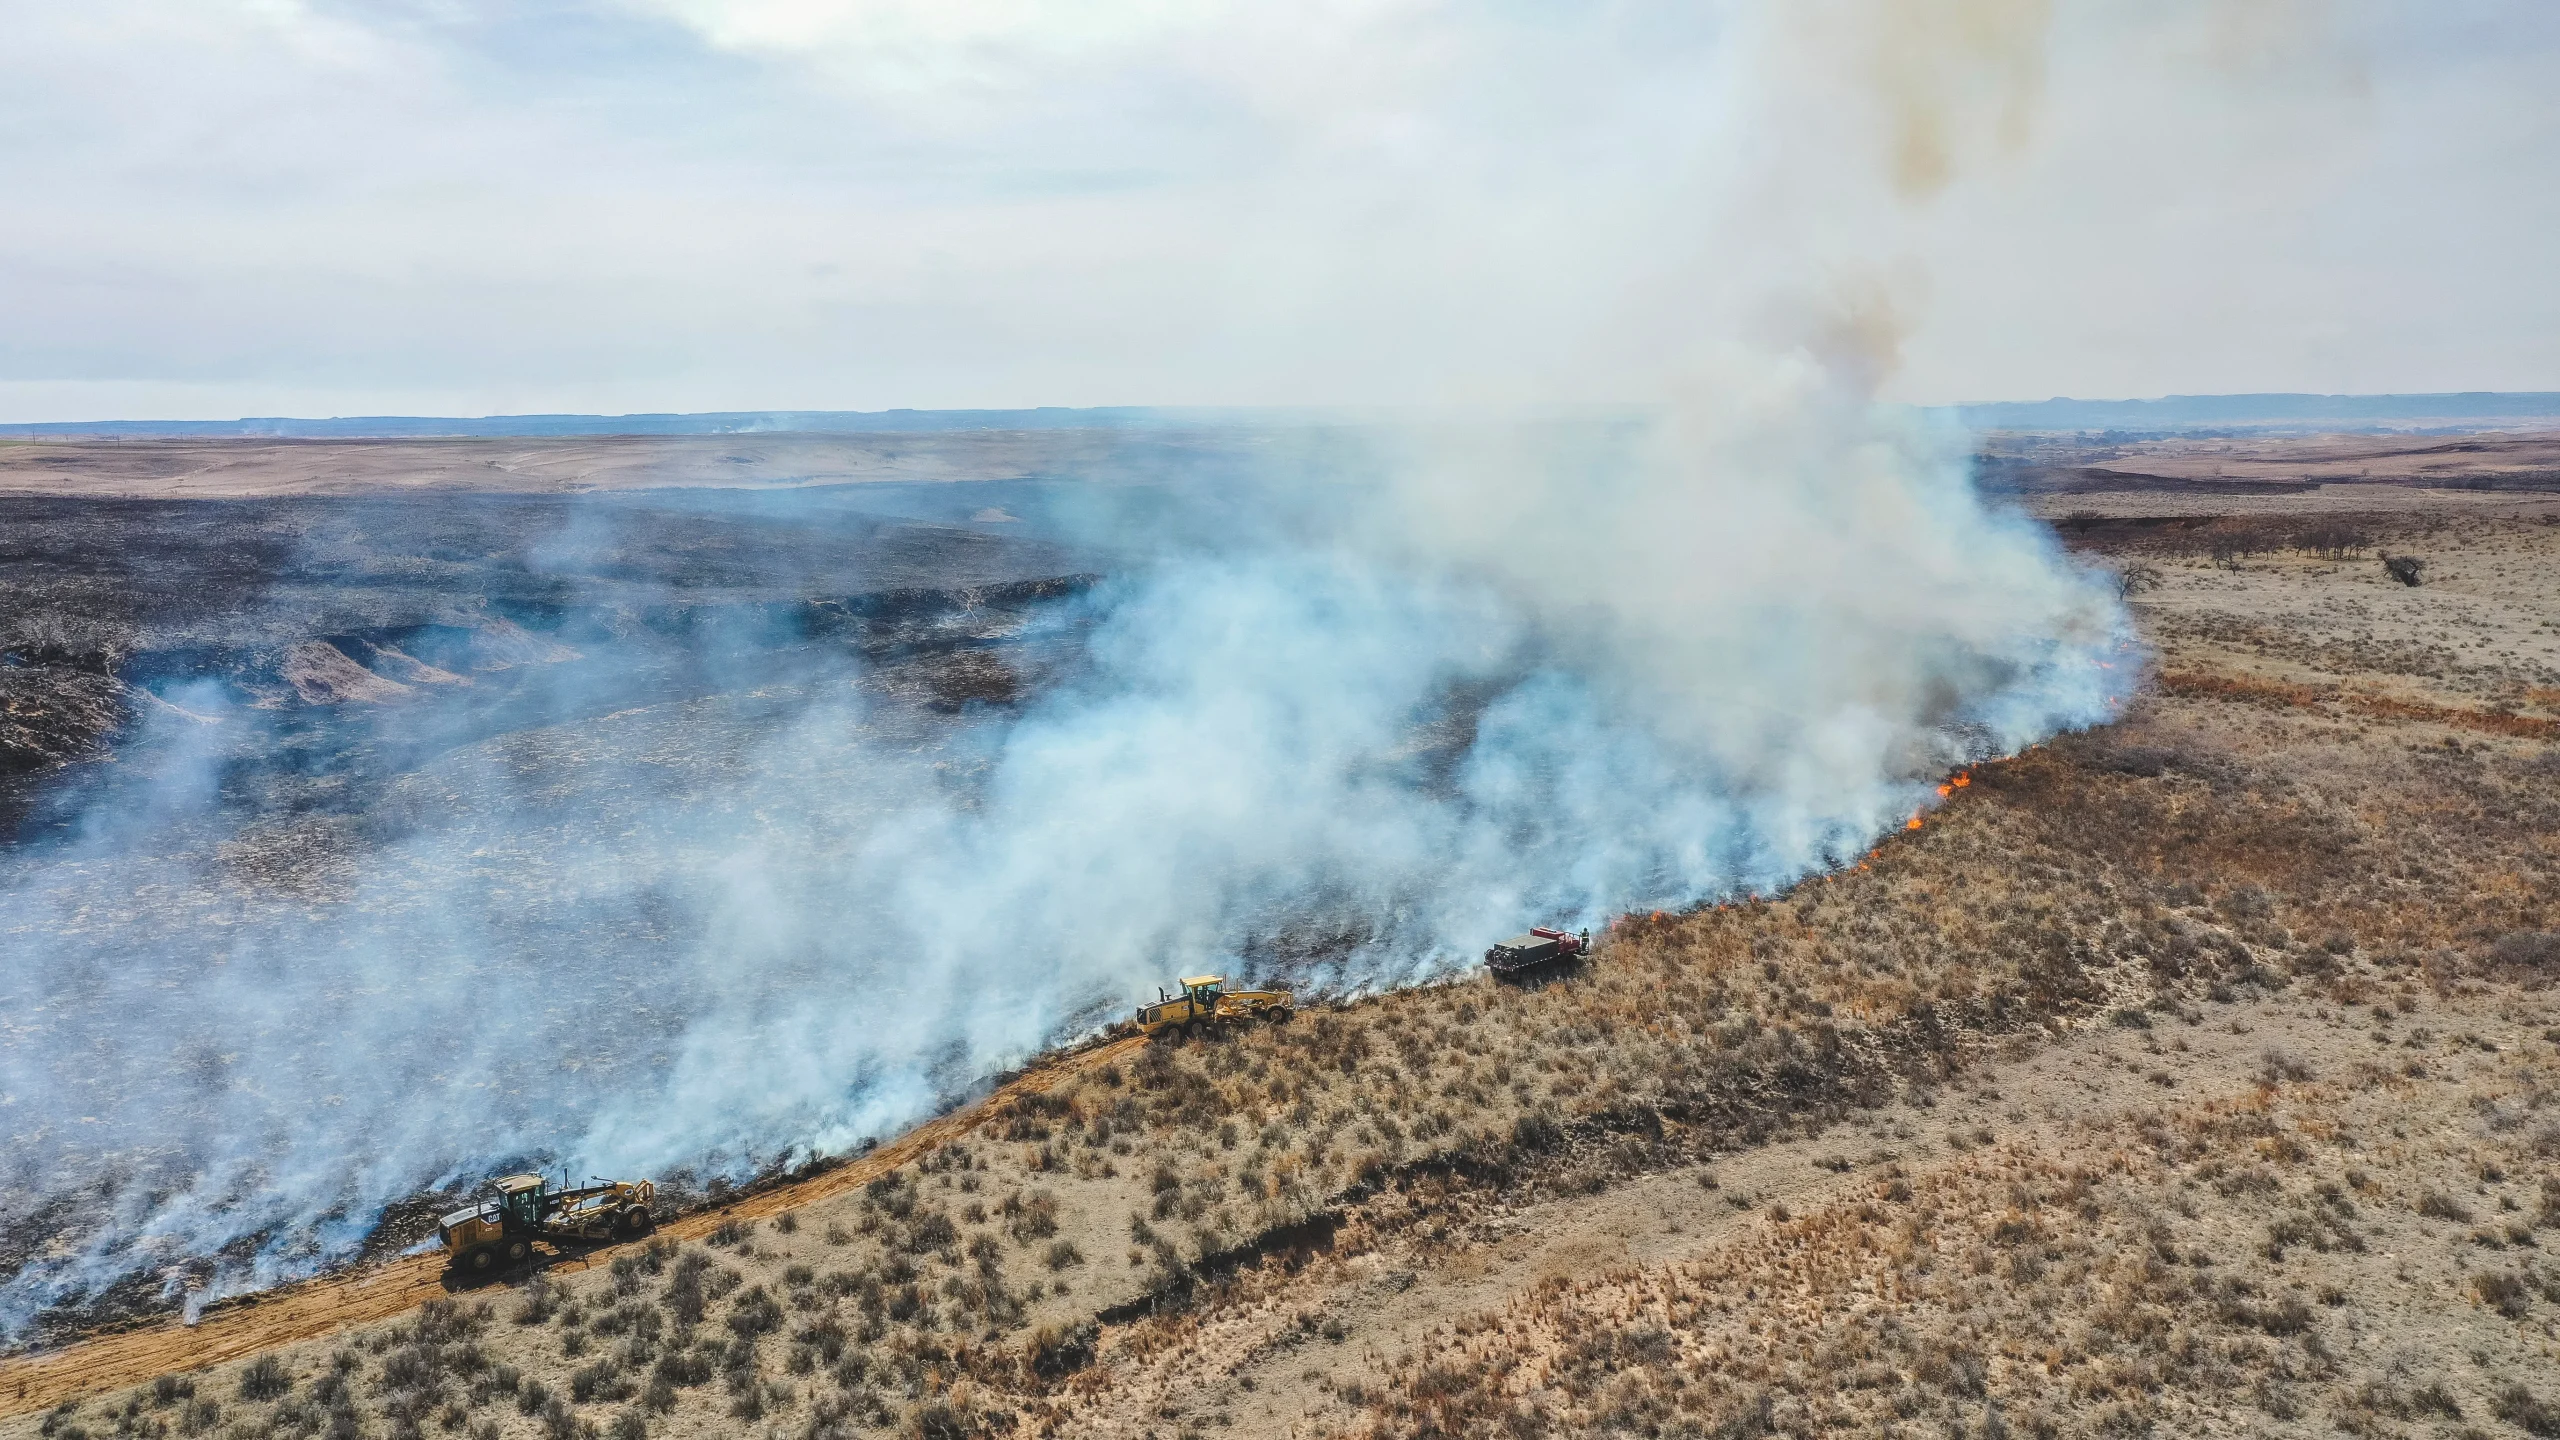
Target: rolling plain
x,y
2195,1075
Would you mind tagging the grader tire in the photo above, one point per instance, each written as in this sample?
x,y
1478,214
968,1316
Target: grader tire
x,y
633,1222
477,1262
519,1251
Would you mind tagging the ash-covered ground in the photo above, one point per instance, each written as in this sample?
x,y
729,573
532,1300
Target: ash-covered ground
x,y
328,722
454,609
364,843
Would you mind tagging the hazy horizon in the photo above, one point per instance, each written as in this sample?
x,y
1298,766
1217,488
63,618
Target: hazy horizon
x,y
2247,409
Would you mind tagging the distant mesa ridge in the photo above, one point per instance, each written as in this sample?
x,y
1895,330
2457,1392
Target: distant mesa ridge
x,y
2173,412
2168,412
721,422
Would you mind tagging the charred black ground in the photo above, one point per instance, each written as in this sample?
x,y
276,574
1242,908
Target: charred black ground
x,y
109,603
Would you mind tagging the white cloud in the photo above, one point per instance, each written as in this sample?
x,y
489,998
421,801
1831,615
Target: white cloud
x,y
676,204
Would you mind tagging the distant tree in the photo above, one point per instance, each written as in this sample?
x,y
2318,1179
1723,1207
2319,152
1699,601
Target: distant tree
x,y
2332,539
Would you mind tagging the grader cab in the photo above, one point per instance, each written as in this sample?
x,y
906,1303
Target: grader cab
x,y
1206,1003
499,1233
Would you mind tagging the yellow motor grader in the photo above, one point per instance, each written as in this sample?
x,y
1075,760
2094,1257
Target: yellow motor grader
x,y
498,1233
1205,1002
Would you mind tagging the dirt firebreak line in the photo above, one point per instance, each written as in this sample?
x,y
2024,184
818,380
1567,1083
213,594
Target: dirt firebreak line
x,y
330,1303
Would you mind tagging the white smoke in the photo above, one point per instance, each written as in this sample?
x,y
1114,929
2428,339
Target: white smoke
x,y
1692,671
1343,727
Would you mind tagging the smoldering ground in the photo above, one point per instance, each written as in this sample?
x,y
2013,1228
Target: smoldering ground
x,y
703,833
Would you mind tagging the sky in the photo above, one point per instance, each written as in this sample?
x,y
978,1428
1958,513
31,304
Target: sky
x,y
215,208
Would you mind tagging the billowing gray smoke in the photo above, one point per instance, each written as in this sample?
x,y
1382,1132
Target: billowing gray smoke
x,y
1344,729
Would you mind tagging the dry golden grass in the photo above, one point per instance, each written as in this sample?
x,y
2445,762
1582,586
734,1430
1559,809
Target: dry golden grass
x,y
2197,1268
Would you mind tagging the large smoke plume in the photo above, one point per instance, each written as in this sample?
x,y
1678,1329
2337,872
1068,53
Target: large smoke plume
x,y
1341,722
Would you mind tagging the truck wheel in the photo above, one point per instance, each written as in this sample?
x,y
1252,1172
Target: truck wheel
x,y
634,1222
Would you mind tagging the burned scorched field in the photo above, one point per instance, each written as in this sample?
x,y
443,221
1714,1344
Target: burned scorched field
x,y
238,715
456,607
